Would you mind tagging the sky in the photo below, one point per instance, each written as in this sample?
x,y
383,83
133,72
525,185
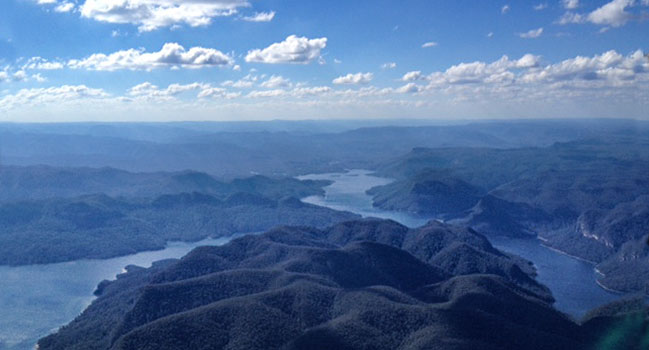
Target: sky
x,y
177,60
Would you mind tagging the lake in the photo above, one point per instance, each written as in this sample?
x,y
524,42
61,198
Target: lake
x,y
572,281
35,300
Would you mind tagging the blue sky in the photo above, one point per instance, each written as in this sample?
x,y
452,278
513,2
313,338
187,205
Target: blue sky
x,y
146,60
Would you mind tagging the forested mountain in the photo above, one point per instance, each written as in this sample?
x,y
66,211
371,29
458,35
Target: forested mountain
x,y
361,284
62,214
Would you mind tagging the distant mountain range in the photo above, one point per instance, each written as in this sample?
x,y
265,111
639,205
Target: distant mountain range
x,y
357,285
231,150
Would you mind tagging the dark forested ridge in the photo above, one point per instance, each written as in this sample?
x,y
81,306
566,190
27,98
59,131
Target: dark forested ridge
x,y
144,211
357,285
588,198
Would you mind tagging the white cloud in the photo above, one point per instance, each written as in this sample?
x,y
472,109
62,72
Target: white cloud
x,y
150,15
214,92
39,78
541,6
409,88
311,91
275,81
504,9
294,49
609,67
389,65
46,2
358,78
20,75
412,76
531,34
527,61
65,94
267,93
244,83
64,7
260,17
149,90
490,35
429,44
571,17
39,63
612,13
171,55
570,4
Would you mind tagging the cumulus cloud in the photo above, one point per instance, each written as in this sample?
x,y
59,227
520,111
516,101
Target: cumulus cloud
x,y
358,78
571,17
64,7
294,49
260,17
610,67
531,34
409,88
389,65
149,90
267,93
39,63
244,83
171,55
570,4
504,9
53,95
429,44
614,13
411,76
150,15
541,6
603,73
275,81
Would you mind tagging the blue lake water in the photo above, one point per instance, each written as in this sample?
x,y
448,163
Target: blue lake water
x,y
572,281
36,300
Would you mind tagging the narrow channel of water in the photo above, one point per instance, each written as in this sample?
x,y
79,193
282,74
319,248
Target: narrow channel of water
x,y
572,281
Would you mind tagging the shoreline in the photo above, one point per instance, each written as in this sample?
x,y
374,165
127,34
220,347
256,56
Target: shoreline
x,y
543,240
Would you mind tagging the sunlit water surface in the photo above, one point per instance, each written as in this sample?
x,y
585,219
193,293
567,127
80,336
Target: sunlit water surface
x,y
572,281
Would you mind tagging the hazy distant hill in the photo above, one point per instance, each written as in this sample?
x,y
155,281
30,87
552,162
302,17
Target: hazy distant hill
x,y
346,287
42,182
281,148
